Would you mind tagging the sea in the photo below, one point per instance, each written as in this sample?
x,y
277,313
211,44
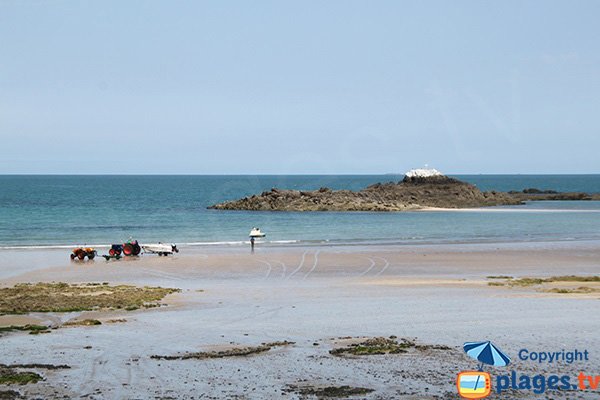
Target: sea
x,y
50,211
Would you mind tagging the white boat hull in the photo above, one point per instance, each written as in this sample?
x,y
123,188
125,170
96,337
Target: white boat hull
x,y
256,233
159,248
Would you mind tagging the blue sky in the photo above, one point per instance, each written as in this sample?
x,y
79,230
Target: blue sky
x,y
299,86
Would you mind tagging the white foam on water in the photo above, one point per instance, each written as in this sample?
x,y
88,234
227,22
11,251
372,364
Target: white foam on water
x,y
238,242
233,243
54,247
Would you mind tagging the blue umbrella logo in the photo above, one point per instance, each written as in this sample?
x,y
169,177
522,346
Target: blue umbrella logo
x,y
486,353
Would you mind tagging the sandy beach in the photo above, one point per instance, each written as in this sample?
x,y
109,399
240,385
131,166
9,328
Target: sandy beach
x,y
316,297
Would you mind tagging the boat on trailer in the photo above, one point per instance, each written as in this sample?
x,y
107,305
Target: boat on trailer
x,y
161,249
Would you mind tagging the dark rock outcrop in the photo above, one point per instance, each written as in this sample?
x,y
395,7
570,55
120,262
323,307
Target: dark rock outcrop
x,y
411,193
533,194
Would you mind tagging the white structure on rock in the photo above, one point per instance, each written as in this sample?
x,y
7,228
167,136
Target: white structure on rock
x,y
423,173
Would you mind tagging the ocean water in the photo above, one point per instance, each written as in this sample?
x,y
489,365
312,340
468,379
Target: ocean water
x,y
58,211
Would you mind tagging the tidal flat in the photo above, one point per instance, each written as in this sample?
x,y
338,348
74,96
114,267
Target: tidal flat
x,y
302,322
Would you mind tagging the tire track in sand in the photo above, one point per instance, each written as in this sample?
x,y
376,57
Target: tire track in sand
x,y
269,265
315,263
283,268
385,265
370,267
299,265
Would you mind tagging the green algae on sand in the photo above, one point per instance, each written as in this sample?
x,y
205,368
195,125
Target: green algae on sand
x,y
8,376
382,345
374,346
32,329
231,352
83,322
329,391
63,297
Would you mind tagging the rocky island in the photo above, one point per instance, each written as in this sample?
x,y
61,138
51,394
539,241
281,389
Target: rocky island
x,y
421,188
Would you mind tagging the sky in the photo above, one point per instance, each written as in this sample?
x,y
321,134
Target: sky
x,y
299,87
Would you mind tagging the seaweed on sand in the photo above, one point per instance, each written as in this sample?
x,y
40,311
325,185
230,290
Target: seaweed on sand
x,y
36,366
32,329
10,395
565,278
526,282
574,278
329,391
8,376
232,352
375,346
63,297
83,322
381,345
579,290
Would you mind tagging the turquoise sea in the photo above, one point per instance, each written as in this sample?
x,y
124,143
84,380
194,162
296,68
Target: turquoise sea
x,y
54,211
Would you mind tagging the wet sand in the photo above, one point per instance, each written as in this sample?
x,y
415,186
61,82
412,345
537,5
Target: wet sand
x,y
436,295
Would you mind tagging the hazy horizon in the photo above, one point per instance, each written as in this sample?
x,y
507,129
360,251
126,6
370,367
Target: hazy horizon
x,y
296,174
262,88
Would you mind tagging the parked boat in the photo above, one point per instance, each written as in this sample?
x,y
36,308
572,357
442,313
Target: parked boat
x,y
256,233
161,249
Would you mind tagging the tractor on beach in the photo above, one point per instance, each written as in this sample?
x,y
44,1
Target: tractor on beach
x,y
129,248
80,253
132,248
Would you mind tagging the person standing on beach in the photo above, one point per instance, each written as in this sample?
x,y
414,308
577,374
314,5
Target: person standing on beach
x,y
252,244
